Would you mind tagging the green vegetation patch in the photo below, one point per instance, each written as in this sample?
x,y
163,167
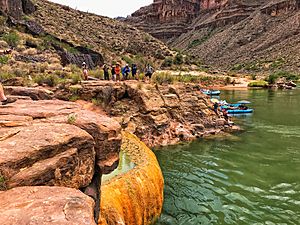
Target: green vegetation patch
x,y
11,38
258,83
2,183
271,79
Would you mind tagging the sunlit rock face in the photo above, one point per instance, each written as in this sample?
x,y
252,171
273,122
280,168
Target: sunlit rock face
x,y
137,196
165,19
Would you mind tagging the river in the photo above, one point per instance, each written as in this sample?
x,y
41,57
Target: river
x,y
249,178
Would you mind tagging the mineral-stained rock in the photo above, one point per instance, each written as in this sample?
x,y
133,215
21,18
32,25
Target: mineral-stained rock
x,y
137,196
46,154
45,205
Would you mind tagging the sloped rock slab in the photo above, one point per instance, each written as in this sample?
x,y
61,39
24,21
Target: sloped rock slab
x,y
105,131
46,154
45,205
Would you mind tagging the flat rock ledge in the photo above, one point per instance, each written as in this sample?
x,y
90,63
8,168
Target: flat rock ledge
x,y
46,205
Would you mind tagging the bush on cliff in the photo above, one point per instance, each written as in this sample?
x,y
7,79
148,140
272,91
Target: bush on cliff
x,y
12,39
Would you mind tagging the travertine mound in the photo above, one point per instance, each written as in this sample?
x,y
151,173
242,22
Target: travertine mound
x,y
137,196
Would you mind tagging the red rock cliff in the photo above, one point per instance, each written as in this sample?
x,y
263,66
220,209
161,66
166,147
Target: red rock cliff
x,y
165,19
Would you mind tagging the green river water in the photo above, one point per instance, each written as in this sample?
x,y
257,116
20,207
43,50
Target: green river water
x,y
250,178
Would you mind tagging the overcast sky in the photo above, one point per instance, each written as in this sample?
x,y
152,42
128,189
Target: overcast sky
x,y
110,8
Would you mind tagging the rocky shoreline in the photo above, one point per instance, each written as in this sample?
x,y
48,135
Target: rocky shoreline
x,y
70,145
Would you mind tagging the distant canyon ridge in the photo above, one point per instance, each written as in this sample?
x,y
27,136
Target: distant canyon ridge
x,y
224,33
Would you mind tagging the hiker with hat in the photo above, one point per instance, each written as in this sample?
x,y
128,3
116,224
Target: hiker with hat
x,y
85,73
118,72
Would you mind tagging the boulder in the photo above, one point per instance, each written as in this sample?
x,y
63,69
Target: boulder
x,y
46,154
45,205
33,93
105,131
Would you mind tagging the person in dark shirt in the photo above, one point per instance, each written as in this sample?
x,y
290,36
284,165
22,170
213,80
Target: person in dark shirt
x,y
106,73
134,71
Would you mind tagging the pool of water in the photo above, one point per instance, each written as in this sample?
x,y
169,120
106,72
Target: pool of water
x,y
124,166
250,178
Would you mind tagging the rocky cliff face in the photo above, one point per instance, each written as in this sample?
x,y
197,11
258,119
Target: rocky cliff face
x,y
157,114
167,19
226,33
16,8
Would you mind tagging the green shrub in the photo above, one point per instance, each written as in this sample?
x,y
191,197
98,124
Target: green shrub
x,y
259,83
167,62
97,102
253,76
97,73
76,78
74,98
2,183
163,78
6,75
12,39
179,60
194,43
72,118
4,59
51,80
271,79
227,80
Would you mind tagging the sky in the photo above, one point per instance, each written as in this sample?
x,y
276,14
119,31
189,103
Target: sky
x,y
110,8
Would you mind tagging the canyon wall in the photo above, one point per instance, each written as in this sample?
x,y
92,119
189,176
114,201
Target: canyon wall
x,y
166,19
225,34
16,8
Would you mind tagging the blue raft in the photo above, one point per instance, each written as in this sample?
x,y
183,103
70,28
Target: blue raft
x,y
239,111
211,92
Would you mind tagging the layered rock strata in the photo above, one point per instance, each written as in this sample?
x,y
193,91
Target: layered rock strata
x,y
225,34
137,196
166,19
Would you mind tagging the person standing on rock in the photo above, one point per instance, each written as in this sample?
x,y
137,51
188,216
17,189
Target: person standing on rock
x,y
113,72
85,73
4,100
134,71
125,72
216,106
106,73
118,72
149,71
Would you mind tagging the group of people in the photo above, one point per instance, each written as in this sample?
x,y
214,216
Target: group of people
x,y
116,70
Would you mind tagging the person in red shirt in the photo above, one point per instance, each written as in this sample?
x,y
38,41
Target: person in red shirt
x,y
118,72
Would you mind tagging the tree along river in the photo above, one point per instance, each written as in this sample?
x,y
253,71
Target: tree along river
x,y
250,178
